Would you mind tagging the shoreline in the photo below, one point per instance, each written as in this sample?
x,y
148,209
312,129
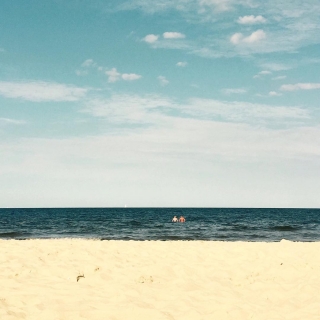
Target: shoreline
x,y
156,240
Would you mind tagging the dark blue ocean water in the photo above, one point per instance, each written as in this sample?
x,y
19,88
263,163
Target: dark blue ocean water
x,y
155,224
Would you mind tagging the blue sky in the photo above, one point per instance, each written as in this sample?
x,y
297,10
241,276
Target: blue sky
x,y
166,103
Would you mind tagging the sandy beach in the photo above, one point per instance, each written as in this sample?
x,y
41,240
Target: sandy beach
x,y
88,279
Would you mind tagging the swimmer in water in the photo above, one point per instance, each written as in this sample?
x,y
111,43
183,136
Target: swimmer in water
x,y
175,219
182,219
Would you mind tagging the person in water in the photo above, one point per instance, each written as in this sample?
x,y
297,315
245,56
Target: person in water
x,y
182,219
175,219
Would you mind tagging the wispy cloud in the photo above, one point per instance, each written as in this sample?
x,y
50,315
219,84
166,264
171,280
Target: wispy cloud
x,y
274,94
251,19
11,121
181,64
201,7
234,91
85,67
163,80
41,91
153,109
128,108
279,78
300,86
88,63
262,73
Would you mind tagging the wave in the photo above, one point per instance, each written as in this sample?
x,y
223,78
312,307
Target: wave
x,y
285,228
14,235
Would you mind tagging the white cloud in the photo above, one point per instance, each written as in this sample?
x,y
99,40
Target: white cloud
x,y
251,19
198,7
300,86
41,91
256,36
263,72
274,94
113,75
279,78
243,160
242,112
128,108
151,38
85,67
163,80
173,35
236,38
153,109
88,63
11,121
130,76
234,91
216,5
186,144
81,72
293,25
181,64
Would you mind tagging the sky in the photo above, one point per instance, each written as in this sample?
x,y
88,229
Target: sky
x,y
170,103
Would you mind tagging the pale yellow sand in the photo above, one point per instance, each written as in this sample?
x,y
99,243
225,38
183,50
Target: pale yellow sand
x,y
158,280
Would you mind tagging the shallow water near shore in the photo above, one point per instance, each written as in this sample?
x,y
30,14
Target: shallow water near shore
x,y
227,224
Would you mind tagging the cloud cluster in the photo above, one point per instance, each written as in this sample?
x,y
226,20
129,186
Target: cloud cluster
x,y
290,26
251,19
114,76
39,91
152,38
256,36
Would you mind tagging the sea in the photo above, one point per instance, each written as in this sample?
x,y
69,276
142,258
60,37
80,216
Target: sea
x,y
140,224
